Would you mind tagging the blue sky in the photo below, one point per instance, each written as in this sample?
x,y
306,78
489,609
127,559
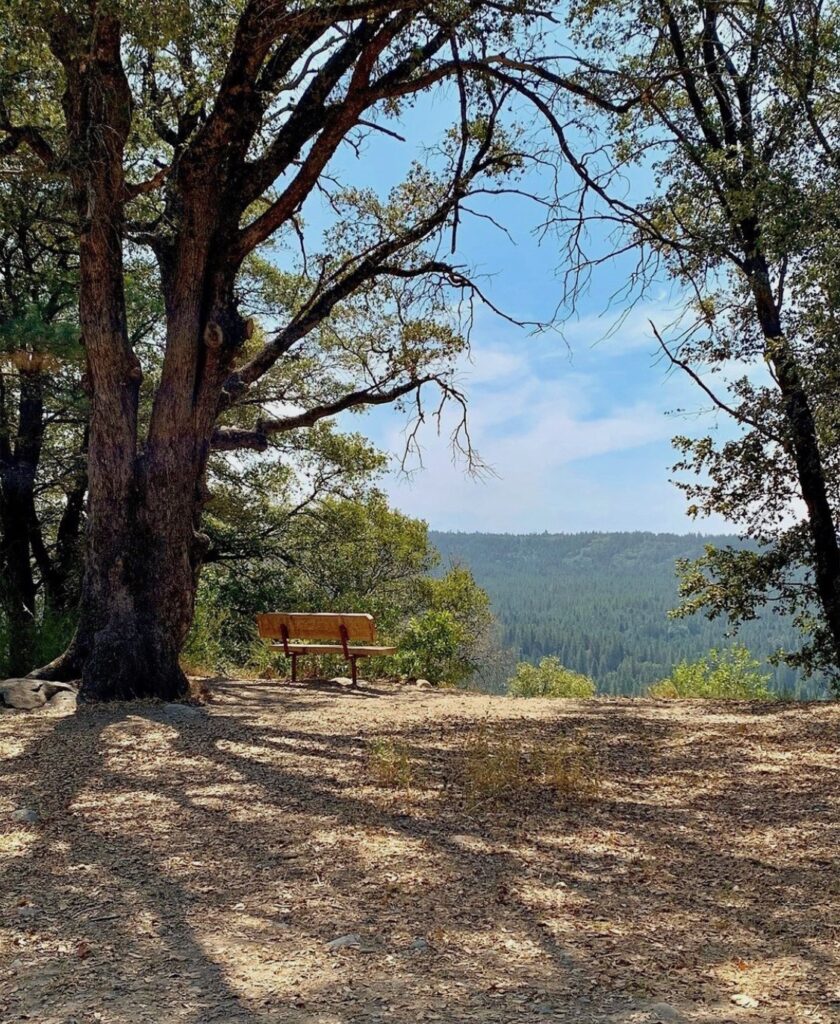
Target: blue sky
x,y
575,427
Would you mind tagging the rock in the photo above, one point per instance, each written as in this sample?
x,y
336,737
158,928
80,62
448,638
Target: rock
x,y
24,694
28,694
345,941
26,814
180,712
423,684
27,912
420,944
742,999
664,1013
52,690
341,681
63,699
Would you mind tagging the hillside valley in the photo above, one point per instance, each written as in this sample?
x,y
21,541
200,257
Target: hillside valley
x,y
600,603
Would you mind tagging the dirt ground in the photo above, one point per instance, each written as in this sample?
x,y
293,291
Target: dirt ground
x,y
238,863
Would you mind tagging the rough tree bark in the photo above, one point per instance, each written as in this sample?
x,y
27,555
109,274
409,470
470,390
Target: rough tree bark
x,y
145,494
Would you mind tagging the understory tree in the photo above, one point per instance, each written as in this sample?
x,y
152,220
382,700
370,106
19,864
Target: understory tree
x,y
705,141
42,425
321,537
194,134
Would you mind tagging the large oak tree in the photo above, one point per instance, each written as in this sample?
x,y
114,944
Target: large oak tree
x,y
197,132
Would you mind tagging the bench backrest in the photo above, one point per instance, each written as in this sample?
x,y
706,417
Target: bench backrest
x,y
316,626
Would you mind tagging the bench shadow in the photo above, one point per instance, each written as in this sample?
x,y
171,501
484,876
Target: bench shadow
x,y
266,689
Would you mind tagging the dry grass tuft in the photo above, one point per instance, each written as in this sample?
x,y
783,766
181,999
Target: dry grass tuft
x,y
497,766
389,763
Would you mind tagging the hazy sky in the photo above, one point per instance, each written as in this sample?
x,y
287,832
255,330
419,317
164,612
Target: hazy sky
x,y
576,428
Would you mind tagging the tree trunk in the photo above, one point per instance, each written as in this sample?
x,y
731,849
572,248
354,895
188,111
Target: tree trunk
x,y
145,495
17,508
139,579
18,591
806,453
63,570
137,600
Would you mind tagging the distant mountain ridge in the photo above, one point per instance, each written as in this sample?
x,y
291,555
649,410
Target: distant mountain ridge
x,y
600,603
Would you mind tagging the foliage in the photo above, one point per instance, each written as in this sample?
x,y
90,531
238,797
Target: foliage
x,y
705,137
216,130
324,539
42,418
496,766
208,642
599,602
549,679
429,646
726,675
453,639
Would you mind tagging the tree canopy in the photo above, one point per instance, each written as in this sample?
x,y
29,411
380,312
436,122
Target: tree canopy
x,y
192,136
702,147
234,292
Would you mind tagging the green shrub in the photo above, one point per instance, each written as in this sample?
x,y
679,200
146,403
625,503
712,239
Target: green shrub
x,y
205,650
549,679
53,632
430,646
723,675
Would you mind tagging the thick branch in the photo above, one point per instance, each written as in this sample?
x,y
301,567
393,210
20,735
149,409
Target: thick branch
x,y
24,135
232,438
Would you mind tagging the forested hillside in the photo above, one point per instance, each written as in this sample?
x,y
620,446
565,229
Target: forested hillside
x,y
599,601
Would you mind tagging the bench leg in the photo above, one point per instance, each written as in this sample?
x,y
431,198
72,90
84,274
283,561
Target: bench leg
x,y
353,670
294,668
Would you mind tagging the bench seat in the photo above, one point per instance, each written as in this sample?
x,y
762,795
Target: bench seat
x,y
362,652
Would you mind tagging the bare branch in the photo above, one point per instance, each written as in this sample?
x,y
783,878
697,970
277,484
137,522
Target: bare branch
x,y
736,414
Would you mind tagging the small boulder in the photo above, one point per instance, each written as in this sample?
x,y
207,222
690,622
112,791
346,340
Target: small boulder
x,y
742,999
351,940
27,815
24,694
423,684
664,1013
180,712
28,694
52,690
341,681
64,699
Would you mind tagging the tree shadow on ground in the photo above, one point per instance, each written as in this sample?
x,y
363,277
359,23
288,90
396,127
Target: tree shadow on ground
x,y
234,846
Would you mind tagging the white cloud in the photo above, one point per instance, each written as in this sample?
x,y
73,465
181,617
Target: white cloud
x,y
582,443
493,365
625,331
543,438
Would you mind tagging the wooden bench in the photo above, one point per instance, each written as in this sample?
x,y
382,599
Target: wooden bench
x,y
291,633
